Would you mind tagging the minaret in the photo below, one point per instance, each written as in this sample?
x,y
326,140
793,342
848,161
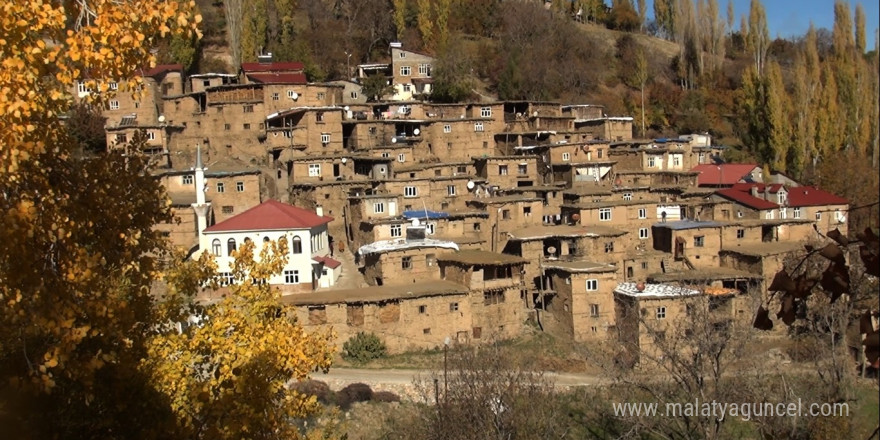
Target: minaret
x,y
200,206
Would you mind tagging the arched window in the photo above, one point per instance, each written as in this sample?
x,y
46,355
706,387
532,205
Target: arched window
x,y
230,246
297,245
247,239
215,247
265,239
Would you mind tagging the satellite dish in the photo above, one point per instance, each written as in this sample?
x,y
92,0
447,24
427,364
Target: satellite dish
x,y
575,217
294,96
161,118
344,159
551,249
470,184
416,132
841,219
394,140
345,108
415,222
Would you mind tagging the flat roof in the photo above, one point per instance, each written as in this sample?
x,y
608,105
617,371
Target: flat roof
x,y
679,225
716,273
654,291
541,232
383,246
764,249
375,294
505,199
481,258
609,204
580,266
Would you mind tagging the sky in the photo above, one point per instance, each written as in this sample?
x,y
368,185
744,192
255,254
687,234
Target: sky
x,y
791,18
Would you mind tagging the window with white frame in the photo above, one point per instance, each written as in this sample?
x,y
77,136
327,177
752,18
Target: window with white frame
x,y
291,277
643,233
700,241
566,156
239,186
401,157
661,312
321,96
643,213
291,94
297,246
447,128
594,310
186,179
604,214
276,96
769,215
151,135
216,247
82,88
450,190
478,127
592,285
627,196
405,70
410,191
485,112
378,207
114,104
113,85
429,228
354,95
221,187
425,69
676,160
226,278
783,213
502,170
740,233
652,162
402,54
396,230
796,212
325,138
314,169
407,88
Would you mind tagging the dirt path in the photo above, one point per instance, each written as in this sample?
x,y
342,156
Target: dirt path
x,y
350,277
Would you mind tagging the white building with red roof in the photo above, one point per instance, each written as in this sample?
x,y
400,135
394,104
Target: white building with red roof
x,y
309,264
797,202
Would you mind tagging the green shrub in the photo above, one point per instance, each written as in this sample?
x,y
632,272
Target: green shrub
x,y
363,347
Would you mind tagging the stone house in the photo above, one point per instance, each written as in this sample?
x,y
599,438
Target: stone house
x,y
410,73
580,305
507,172
202,81
507,213
612,128
267,71
404,260
494,282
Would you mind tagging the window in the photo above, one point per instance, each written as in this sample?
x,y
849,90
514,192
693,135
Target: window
x,y
227,127
493,297
396,231
450,190
410,191
796,213
401,157
609,247
782,213
769,215
319,116
297,245
314,169
114,104
430,260
740,233
699,241
386,154
246,126
505,214
424,69
502,170
453,307
676,160
137,104
644,265
405,70
566,156
643,213
291,94
354,95
220,187
447,128
225,278
247,109
429,228
604,214
215,247
113,85
594,310
275,96
379,207
423,309
406,263
239,186
592,285
227,209
291,277
325,138
599,153
627,196
478,127
522,169
643,233
652,162
230,246
321,96
187,179
818,216
661,312
527,211
151,135
402,54
407,88
739,214
476,226
486,112
82,88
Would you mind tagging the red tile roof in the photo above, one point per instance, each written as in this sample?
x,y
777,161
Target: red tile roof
x,y
271,215
329,262
278,78
746,199
810,196
773,188
724,174
273,67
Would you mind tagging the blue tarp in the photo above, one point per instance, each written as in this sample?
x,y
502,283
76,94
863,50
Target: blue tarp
x,y
424,214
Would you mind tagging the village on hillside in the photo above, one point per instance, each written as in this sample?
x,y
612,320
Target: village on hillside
x,y
424,222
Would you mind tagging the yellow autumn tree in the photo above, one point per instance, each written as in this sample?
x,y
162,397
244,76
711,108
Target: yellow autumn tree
x,y
226,370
